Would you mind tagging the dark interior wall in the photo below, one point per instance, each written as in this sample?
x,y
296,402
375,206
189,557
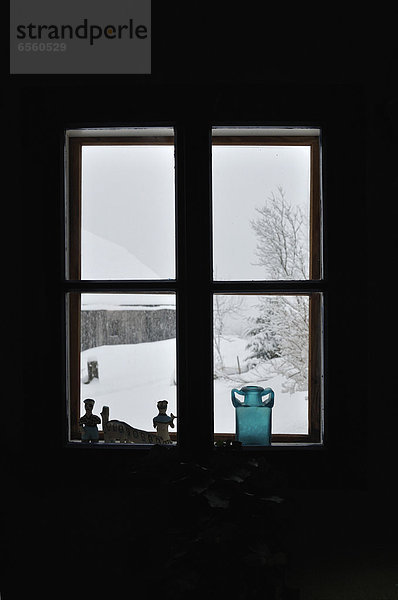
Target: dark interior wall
x,y
230,69
334,70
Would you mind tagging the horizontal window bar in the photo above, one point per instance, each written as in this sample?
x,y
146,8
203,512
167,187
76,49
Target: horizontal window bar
x,y
83,285
293,287
161,285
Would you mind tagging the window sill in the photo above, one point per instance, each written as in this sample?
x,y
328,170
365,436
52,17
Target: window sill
x,y
275,446
103,445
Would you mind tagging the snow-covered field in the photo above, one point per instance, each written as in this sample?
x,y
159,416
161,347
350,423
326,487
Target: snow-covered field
x,y
133,378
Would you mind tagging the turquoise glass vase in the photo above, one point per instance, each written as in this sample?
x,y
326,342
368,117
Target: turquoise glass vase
x,y
253,415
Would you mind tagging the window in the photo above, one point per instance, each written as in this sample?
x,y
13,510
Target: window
x,y
121,265
267,275
194,266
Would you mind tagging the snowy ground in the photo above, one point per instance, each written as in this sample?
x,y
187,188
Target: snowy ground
x,y
132,378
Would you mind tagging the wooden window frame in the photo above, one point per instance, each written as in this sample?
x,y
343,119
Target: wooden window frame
x,y
75,286
313,287
194,279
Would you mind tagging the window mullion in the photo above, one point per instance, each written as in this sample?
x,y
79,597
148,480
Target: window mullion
x,y
194,275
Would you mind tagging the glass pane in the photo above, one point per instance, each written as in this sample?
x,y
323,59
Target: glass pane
x,y
262,340
261,212
128,355
128,215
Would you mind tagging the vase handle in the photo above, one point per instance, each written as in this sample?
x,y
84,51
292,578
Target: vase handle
x,y
268,401
234,399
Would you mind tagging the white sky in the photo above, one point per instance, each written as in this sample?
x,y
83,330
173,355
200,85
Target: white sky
x,y
128,198
243,178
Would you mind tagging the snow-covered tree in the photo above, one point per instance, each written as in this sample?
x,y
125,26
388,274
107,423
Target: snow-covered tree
x,y
224,307
293,328
282,244
280,330
266,342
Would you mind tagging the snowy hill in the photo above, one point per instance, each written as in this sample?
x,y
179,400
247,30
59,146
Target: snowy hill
x,y
103,259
